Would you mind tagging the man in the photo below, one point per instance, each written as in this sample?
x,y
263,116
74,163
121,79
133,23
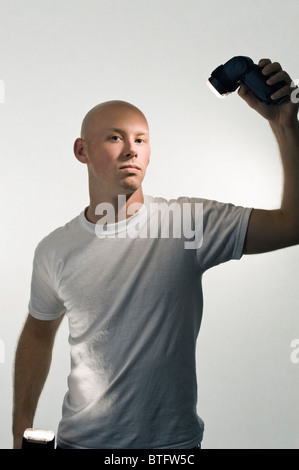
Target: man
x,y
134,302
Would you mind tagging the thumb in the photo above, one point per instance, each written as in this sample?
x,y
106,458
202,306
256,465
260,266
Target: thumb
x,y
248,97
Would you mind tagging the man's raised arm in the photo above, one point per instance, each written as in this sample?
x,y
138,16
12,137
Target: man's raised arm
x,y
273,229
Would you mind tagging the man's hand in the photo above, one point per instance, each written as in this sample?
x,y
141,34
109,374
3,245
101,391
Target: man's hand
x,y
284,114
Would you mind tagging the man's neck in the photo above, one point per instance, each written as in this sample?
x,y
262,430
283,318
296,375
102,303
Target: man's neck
x,y
113,209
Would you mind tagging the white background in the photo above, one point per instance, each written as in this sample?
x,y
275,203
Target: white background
x,y
59,58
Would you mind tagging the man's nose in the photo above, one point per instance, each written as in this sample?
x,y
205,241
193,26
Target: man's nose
x,y
131,149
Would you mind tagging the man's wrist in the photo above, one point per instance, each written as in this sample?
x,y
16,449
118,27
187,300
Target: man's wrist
x,y
288,128
17,442
19,427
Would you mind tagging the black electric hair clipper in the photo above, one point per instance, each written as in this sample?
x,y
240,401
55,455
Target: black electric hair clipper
x,y
242,70
38,439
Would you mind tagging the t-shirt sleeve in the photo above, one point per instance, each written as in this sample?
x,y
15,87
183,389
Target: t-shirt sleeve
x,y
224,231
44,303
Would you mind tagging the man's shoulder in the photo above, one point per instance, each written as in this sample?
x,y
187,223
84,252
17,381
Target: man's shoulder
x,y
61,237
210,208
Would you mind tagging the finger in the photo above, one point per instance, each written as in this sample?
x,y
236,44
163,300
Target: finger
x,y
264,62
242,91
272,68
281,76
284,91
246,96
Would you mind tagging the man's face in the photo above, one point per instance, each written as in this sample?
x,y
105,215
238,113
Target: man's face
x,y
117,149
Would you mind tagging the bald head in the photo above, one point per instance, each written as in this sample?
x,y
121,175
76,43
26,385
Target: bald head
x,y
107,111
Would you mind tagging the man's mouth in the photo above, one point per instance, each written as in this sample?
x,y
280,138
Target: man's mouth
x,y
130,167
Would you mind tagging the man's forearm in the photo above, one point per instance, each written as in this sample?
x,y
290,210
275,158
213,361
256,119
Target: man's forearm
x,y
288,141
33,359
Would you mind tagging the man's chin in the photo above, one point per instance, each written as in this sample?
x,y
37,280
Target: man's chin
x,y
130,186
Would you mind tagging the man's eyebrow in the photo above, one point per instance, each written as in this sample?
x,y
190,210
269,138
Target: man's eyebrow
x,y
122,131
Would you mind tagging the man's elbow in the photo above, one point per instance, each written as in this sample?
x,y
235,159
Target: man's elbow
x,y
294,239
291,224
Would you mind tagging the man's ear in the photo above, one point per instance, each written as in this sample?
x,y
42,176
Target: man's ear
x,y
80,150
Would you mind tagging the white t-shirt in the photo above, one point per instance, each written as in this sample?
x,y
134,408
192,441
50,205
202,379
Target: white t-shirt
x,y
133,297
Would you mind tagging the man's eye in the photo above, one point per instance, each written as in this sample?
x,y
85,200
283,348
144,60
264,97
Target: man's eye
x,y
114,138
139,141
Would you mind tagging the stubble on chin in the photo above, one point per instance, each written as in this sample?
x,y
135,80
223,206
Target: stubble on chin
x,y
130,184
